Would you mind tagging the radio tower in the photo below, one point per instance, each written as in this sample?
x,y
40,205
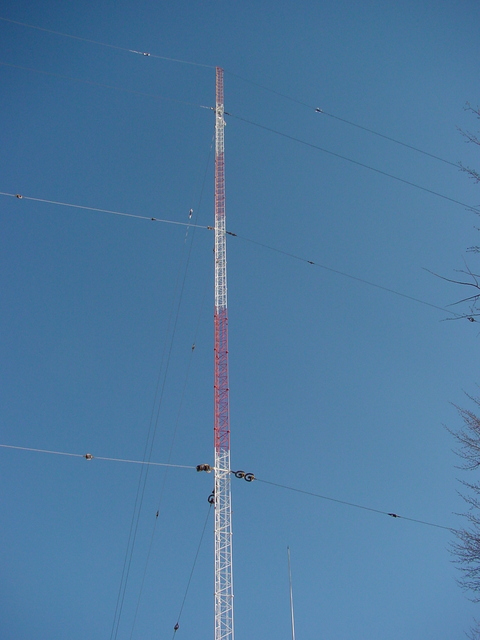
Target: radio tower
x,y
223,511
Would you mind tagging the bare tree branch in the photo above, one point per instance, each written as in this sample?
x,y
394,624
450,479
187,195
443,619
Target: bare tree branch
x,y
466,550
472,173
470,284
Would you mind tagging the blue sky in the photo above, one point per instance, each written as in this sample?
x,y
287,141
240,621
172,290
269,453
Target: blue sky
x,y
337,387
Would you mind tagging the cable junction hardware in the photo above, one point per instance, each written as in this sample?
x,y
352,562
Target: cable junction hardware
x,y
248,477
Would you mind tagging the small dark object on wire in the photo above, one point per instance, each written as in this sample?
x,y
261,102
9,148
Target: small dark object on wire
x,y
393,515
211,498
175,628
88,456
204,467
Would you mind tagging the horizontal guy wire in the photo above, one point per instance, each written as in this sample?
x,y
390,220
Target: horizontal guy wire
x,y
355,505
97,210
105,44
346,275
260,244
89,456
316,109
349,122
256,479
356,162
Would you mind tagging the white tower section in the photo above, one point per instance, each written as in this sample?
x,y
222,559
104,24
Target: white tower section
x,y
223,510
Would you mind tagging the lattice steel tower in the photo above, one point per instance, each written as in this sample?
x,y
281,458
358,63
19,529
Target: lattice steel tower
x,y
223,510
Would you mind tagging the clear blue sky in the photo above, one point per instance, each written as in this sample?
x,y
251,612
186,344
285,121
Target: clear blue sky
x,y
337,387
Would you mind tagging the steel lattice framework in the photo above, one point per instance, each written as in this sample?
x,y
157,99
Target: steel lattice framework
x,y
223,510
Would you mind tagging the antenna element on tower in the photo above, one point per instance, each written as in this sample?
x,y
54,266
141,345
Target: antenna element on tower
x,y
222,493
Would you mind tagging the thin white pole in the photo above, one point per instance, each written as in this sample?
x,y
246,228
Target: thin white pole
x,y
292,616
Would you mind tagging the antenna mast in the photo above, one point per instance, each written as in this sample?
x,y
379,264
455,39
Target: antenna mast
x,y
292,615
223,510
